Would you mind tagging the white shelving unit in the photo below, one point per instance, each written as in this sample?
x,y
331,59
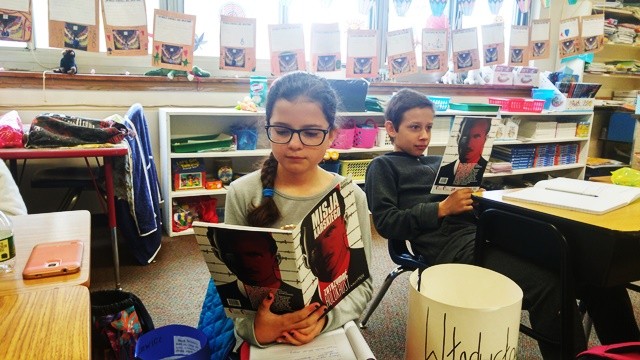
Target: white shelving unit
x,y
185,122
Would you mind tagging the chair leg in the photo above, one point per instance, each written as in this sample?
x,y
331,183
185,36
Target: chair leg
x,y
70,199
383,290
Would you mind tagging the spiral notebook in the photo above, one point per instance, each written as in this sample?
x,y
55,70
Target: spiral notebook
x,y
578,195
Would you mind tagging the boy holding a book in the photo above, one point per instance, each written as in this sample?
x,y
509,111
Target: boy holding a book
x,y
442,229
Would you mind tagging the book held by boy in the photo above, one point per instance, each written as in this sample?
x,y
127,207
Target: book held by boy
x,y
345,343
321,259
578,195
466,154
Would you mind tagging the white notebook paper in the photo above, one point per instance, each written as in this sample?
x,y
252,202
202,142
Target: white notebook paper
x,y
578,195
346,343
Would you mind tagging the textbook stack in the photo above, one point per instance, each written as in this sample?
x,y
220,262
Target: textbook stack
x,y
545,155
566,129
537,130
567,154
520,157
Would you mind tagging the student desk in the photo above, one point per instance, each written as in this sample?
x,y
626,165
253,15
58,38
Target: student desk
x,y
605,249
29,230
107,153
50,323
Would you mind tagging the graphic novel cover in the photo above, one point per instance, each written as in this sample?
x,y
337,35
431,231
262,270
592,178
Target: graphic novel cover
x,y
322,258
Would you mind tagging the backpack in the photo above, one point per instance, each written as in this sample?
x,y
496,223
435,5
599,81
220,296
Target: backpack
x,y
621,351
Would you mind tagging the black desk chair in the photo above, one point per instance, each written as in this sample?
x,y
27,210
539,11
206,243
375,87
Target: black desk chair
x,y
74,179
537,242
406,261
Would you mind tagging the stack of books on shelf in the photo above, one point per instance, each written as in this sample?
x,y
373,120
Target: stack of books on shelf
x,y
566,129
520,156
567,154
537,130
545,155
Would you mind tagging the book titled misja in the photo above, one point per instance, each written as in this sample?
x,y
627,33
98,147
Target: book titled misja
x,y
321,259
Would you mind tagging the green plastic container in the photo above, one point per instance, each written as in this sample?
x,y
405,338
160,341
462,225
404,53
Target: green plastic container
x,y
215,142
474,107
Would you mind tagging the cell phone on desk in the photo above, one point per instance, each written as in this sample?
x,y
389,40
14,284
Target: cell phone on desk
x,y
53,259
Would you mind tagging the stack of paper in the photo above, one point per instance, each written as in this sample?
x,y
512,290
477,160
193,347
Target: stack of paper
x,y
537,130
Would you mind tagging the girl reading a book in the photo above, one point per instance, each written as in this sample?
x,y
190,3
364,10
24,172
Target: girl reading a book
x,y
301,125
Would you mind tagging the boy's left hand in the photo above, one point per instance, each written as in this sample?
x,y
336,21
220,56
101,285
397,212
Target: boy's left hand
x,y
301,336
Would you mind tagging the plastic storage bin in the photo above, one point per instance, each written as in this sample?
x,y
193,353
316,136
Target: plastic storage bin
x,y
508,104
357,168
440,103
533,105
543,94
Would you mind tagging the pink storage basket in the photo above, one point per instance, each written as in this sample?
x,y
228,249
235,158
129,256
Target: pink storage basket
x,y
366,135
346,134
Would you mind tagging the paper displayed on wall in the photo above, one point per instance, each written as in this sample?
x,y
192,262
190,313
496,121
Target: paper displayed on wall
x,y
74,27
173,37
125,27
569,37
16,20
400,55
592,33
325,47
286,43
362,54
434,50
539,41
493,44
237,43
518,45
465,49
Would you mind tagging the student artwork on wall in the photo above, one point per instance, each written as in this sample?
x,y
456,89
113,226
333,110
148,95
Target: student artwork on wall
x,y
465,49
74,27
173,37
519,44
237,43
434,50
592,33
125,27
362,54
493,44
286,42
569,37
539,41
400,55
15,20
325,47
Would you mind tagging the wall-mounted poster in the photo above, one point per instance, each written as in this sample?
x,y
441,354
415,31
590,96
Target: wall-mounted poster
x,y
493,44
592,33
15,20
539,41
569,37
286,42
362,54
518,46
325,47
73,24
237,43
434,50
465,49
125,27
173,37
400,55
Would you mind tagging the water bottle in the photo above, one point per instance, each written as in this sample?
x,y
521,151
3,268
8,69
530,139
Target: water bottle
x,y
7,247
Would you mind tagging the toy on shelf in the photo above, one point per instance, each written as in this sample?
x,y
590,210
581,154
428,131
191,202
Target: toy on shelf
x,y
195,72
247,104
67,63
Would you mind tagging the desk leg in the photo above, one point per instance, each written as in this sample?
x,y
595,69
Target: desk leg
x,y
111,207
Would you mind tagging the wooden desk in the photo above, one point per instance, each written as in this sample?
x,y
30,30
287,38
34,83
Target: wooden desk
x,y
605,248
107,153
46,324
29,230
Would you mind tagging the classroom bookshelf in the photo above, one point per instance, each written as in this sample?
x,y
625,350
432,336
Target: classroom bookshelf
x,y
175,123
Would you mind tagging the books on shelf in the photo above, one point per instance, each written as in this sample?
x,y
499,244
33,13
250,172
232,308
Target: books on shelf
x,y
346,343
578,195
321,259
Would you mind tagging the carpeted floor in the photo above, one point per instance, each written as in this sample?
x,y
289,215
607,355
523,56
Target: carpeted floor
x,y
173,287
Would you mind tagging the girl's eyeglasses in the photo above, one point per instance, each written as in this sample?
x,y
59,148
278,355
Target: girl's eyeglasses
x,y
282,135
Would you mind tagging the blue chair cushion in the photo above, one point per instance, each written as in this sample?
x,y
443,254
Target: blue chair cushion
x,y
216,325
